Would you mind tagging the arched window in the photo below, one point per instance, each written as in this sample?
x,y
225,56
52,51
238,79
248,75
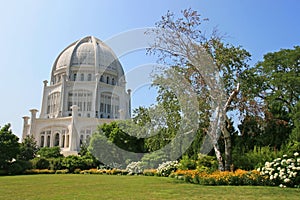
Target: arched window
x,y
107,80
82,77
101,78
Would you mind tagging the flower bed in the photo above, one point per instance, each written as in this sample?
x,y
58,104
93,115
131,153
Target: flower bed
x,y
238,177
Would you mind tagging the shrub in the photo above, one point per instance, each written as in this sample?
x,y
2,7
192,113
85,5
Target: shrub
x,y
203,163
40,163
55,163
284,171
134,168
18,167
166,168
15,168
49,152
72,162
254,158
207,163
187,163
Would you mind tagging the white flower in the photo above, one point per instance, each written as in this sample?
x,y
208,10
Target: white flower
x,y
296,154
284,156
286,180
258,169
271,177
282,186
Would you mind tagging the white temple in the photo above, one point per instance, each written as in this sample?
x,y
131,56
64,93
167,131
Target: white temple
x,y
87,88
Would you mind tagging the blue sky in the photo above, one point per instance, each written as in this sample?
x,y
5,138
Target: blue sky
x,y
34,32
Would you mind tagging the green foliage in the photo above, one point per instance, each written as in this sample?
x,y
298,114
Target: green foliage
x,y
273,86
9,146
152,160
18,167
203,163
187,163
28,148
40,163
55,163
72,162
49,152
116,135
254,158
206,163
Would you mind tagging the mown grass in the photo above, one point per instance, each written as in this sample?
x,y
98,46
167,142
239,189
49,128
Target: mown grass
x,y
72,186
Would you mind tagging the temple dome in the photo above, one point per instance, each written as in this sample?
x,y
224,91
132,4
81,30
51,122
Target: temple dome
x,y
86,53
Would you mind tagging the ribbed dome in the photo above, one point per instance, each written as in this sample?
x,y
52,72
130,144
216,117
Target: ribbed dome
x,y
87,52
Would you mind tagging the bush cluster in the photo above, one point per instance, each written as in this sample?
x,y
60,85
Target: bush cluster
x,y
283,172
166,168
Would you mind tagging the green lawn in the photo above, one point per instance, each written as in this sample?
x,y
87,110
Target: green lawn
x,y
72,186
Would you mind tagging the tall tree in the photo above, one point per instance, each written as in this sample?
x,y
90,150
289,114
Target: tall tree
x,y
28,148
9,146
180,41
274,84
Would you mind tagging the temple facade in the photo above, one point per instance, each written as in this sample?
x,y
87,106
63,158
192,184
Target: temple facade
x,y
87,88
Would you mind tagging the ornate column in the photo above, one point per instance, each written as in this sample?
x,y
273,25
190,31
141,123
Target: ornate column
x,y
26,127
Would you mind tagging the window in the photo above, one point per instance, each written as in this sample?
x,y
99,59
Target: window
x,y
48,141
56,139
107,80
42,141
74,77
89,106
69,105
63,141
108,108
89,77
101,107
81,139
82,77
113,81
101,78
